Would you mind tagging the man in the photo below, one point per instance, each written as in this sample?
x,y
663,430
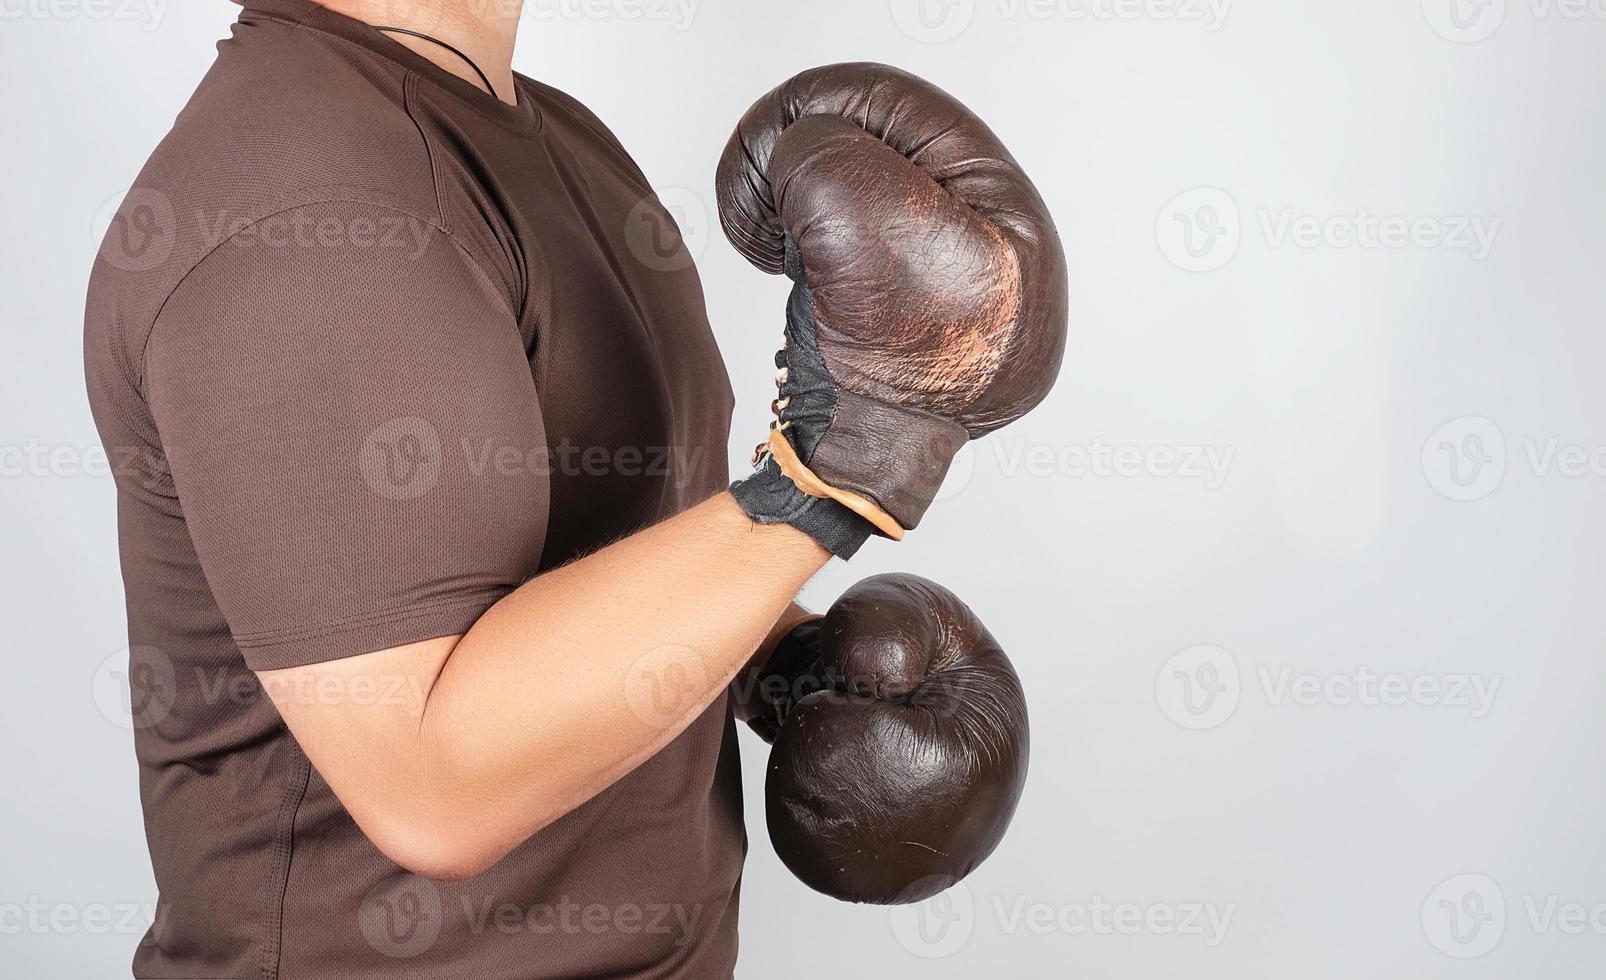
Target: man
x,y
429,566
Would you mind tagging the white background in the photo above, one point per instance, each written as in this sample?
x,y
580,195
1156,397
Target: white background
x,y
1262,207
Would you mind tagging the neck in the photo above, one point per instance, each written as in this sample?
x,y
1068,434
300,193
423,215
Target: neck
x,y
482,29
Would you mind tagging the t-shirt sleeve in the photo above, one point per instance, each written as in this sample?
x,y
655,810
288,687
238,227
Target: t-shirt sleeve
x,y
351,423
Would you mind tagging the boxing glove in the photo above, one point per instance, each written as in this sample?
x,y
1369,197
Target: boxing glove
x,y
899,743
929,305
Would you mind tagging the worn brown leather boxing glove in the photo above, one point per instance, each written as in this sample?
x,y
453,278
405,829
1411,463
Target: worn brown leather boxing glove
x,y
899,742
930,298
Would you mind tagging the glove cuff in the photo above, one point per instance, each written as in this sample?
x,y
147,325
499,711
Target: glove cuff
x,y
769,497
895,458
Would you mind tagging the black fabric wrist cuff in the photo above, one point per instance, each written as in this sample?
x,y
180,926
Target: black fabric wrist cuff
x,y
769,497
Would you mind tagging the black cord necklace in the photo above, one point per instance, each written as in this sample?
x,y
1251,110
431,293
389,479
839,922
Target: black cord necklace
x,y
435,40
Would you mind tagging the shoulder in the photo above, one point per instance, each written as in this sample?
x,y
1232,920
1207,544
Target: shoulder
x,y
288,116
287,120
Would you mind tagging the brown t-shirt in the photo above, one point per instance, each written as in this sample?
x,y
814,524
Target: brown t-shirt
x,y
370,349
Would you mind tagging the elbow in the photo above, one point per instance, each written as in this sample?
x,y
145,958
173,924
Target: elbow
x,y
449,829
454,851
442,866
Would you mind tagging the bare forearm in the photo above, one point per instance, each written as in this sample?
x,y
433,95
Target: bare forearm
x,y
585,672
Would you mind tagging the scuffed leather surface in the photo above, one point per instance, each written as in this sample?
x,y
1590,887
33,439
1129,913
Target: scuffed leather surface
x,y
893,454
896,772
937,274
